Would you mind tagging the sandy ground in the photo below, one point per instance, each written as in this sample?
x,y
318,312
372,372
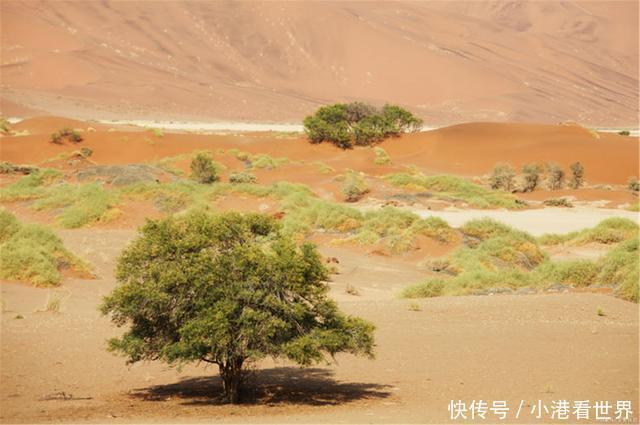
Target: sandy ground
x,y
513,348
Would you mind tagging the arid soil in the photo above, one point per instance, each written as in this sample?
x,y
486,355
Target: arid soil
x,y
467,149
448,62
518,348
537,347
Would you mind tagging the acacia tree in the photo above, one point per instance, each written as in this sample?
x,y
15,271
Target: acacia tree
x,y
227,289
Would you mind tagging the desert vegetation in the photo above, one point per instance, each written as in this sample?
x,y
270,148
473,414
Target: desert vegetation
x,y
203,169
496,258
455,188
32,253
357,123
67,133
239,292
354,187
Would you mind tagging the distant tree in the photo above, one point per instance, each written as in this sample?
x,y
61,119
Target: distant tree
x,y
531,174
203,169
357,123
227,290
555,176
502,177
624,132
577,175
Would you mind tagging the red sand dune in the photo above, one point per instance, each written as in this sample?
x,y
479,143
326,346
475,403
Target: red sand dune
x,y
447,61
466,149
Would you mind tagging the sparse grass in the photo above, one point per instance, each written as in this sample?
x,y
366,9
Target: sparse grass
x,y
354,187
265,161
414,306
577,273
455,188
53,304
323,168
80,204
635,207
609,231
351,290
382,158
31,186
32,253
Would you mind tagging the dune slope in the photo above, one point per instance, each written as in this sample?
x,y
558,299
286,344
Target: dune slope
x,y
447,61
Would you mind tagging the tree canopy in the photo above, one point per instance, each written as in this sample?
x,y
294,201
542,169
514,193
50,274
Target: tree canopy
x,y
356,123
227,289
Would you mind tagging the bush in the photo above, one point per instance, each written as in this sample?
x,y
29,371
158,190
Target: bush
x,y
624,133
239,291
531,174
558,202
555,176
502,177
381,156
633,184
578,273
65,133
55,138
354,187
620,267
203,169
32,253
241,177
346,125
265,161
428,289
577,175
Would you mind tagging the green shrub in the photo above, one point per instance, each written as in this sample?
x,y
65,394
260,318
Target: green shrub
x,y
354,187
531,174
558,202
241,177
55,138
502,177
577,175
203,169
381,156
32,253
357,123
624,132
633,184
608,231
66,133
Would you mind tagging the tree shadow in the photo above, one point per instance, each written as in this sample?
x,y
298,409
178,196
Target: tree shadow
x,y
307,386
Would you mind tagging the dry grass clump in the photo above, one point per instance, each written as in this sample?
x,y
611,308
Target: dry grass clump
x,y
32,253
382,158
609,231
455,188
354,187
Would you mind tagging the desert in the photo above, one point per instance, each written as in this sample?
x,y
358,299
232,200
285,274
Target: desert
x,y
330,212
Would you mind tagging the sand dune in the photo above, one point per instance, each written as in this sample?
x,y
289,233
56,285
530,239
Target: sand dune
x,y
447,61
467,149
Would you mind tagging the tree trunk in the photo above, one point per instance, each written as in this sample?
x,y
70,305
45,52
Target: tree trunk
x,y
231,374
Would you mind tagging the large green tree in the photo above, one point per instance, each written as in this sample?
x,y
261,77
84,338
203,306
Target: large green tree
x,y
356,123
227,289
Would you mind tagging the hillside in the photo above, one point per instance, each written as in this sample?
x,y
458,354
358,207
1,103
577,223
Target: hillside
x,y
447,61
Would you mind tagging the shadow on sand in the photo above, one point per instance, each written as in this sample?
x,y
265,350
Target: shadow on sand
x,y
309,386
